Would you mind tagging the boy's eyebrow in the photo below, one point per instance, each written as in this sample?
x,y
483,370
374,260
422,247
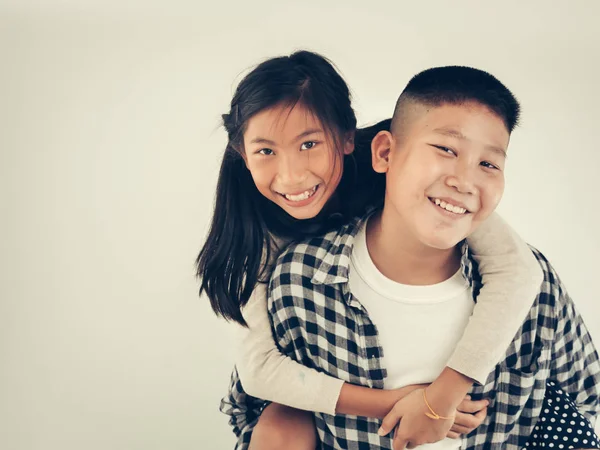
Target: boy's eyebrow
x,y
498,150
260,140
450,132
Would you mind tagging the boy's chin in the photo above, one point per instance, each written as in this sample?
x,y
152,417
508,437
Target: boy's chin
x,y
440,242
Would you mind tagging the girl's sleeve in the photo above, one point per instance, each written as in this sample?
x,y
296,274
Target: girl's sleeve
x,y
511,279
268,374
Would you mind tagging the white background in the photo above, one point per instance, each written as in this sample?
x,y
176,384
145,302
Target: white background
x,y
110,145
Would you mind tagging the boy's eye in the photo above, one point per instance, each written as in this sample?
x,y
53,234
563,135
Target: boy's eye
x,y
445,149
489,165
265,151
308,145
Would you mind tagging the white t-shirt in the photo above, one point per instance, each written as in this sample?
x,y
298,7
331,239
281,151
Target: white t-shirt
x,y
418,326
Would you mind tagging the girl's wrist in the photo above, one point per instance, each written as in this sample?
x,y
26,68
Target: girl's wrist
x,y
448,391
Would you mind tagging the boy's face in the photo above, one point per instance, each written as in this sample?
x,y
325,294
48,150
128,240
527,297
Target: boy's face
x,y
444,172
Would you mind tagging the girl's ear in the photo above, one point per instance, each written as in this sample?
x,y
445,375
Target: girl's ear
x,y
242,154
349,144
380,151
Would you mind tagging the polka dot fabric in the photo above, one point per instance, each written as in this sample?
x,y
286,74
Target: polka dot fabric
x,y
560,425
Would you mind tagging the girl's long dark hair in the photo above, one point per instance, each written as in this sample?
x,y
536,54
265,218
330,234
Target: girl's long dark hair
x,y
239,243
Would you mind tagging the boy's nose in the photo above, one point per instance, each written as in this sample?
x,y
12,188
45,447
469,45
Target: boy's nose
x,y
462,179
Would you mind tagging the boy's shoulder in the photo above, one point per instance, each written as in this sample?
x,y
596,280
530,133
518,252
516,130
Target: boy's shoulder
x,y
320,257
552,289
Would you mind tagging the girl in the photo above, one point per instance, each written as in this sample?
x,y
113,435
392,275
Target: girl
x,y
274,189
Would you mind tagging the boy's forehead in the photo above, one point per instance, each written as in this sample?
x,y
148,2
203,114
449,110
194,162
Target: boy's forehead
x,y
448,118
469,121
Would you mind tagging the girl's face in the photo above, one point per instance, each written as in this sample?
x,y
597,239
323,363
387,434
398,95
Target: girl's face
x,y
292,160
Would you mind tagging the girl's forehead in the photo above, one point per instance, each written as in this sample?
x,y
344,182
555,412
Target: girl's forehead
x,y
282,122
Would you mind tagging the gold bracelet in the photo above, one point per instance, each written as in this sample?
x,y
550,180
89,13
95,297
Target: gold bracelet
x,y
432,414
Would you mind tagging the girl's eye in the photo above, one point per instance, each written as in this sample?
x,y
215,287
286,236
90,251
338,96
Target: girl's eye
x,y
265,151
489,165
308,145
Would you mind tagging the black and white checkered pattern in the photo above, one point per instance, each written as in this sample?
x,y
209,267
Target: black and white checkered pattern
x,y
244,411
319,323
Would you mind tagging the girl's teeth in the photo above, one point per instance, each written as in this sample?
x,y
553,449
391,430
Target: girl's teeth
x,y
302,196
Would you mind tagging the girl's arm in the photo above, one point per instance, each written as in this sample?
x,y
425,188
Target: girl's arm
x,y
268,374
511,277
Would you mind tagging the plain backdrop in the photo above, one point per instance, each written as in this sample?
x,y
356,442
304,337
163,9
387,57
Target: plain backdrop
x,y
109,150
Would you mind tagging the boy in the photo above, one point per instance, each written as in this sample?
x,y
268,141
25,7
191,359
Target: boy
x,y
383,301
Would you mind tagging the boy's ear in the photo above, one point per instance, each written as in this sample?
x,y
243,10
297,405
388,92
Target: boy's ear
x,y
381,146
349,144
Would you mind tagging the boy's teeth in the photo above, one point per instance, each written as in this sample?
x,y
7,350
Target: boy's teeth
x,y
303,196
449,207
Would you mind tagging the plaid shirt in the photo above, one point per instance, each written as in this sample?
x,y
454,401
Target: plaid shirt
x,y
318,322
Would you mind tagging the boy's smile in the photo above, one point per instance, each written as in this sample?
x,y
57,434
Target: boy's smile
x,y
444,172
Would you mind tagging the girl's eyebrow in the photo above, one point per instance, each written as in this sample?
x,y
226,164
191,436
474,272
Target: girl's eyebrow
x,y
308,132
261,140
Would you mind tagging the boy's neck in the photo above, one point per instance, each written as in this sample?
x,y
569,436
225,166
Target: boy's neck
x,y
399,257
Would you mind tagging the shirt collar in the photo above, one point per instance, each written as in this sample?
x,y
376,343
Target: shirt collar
x,y
334,267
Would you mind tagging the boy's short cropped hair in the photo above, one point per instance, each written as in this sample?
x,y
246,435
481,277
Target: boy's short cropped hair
x,y
457,85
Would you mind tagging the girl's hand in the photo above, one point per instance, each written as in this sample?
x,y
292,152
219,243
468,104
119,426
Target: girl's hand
x,y
404,391
415,427
469,415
